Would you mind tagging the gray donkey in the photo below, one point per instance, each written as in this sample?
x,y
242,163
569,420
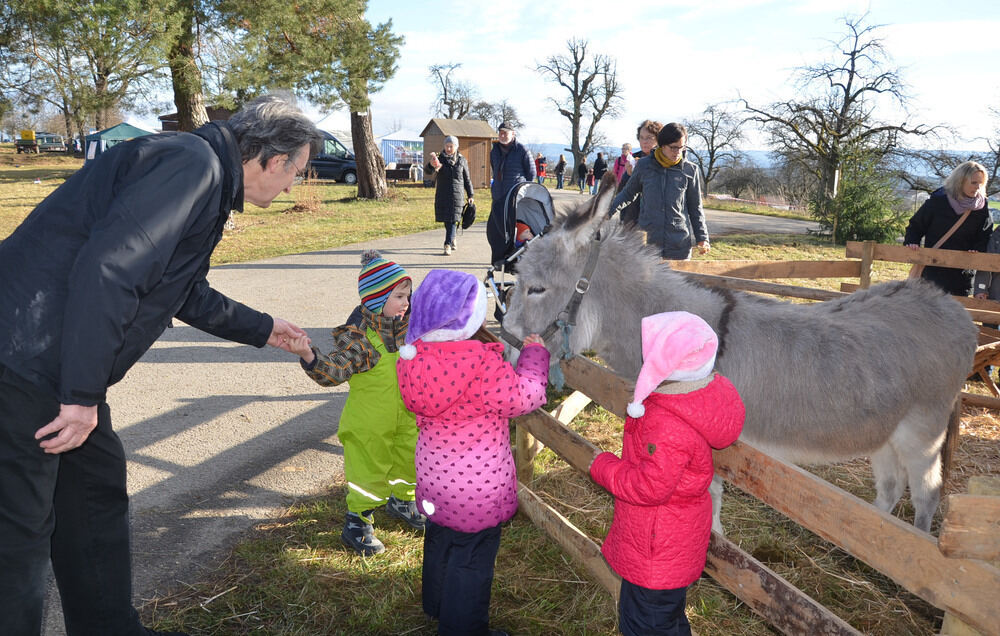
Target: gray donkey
x,y
875,373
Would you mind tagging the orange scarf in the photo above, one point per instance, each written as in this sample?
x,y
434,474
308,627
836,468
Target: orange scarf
x,y
663,161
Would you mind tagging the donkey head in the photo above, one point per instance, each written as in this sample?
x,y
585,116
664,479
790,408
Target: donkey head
x,y
550,268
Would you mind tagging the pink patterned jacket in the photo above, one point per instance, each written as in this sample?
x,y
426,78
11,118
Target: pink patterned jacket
x,y
463,393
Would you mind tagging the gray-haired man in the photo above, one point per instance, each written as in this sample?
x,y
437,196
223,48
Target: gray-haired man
x,y
88,282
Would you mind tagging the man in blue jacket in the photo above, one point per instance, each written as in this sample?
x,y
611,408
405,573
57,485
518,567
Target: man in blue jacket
x,y
88,282
511,164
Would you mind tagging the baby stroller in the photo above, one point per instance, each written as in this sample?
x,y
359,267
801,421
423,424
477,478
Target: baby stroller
x,y
528,203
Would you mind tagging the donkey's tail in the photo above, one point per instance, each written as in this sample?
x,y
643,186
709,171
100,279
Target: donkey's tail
x,y
951,439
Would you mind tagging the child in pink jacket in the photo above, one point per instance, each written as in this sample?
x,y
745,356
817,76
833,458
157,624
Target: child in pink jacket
x,y
658,539
463,393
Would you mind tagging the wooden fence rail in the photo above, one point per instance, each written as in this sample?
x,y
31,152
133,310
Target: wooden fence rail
x,y
963,587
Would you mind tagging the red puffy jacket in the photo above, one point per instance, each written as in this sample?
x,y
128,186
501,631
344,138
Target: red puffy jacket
x,y
663,512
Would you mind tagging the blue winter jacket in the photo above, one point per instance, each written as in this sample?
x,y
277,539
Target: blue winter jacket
x,y
669,205
509,169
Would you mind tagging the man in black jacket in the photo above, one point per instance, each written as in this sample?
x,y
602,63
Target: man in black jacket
x,y
88,282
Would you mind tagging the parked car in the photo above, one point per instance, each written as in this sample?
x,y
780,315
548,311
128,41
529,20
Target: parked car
x,y
334,161
37,142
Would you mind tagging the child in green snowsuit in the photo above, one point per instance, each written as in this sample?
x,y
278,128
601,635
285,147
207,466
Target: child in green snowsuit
x,y
377,432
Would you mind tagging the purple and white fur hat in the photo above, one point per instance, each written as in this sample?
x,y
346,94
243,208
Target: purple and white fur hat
x,y
448,305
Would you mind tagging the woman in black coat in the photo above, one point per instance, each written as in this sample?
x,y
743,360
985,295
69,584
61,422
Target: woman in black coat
x,y
452,179
964,191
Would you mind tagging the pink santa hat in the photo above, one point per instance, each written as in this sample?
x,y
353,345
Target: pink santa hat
x,y
677,346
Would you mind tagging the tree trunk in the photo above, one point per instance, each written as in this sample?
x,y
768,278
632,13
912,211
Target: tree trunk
x,y
371,165
186,76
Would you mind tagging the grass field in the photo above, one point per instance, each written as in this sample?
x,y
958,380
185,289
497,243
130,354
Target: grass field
x,y
292,576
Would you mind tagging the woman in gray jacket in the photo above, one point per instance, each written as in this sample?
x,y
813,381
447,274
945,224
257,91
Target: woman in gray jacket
x,y
669,189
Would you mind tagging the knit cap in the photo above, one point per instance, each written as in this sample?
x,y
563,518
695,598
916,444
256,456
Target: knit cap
x,y
377,279
676,345
448,305
451,139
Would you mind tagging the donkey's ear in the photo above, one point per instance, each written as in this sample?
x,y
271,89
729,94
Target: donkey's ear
x,y
587,218
605,194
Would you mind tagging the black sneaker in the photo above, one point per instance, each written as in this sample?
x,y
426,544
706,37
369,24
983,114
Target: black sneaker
x,y
406,511
359,535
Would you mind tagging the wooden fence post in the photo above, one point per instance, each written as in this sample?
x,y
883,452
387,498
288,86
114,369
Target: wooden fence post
x,y
952,626
867,256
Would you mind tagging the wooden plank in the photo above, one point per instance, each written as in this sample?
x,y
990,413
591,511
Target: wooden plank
x,y
772,269
780,603
978,485
604,387
910,557
526,446
764,288
570,539
971,528
983,401
928,256
575,449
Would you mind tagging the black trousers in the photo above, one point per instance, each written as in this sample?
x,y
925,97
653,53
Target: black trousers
x,y
646,612
71,508
457,577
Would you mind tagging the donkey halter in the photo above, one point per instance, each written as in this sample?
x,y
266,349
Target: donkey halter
x,y
565,320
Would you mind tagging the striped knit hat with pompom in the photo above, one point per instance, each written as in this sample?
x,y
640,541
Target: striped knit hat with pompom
x,y
377,279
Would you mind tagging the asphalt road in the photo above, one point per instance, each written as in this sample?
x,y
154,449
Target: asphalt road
x,y
220,437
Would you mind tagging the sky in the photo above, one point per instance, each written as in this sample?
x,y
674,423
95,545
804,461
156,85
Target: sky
x,y
675,58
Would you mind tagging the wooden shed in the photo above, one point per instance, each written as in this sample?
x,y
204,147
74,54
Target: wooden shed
x,y
475,139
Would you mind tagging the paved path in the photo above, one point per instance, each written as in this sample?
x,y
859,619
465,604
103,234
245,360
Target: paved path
x,y
221,436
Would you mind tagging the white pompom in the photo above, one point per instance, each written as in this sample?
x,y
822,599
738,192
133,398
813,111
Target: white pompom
x,y
407,352
636,410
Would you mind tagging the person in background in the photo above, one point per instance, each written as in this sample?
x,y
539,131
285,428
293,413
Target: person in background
x,y
378,434
511,164
453,186
646,135
658,540
600,167
128,240
560,172
591,181
540,164
581,172
963,193
463,394
623,162
669,201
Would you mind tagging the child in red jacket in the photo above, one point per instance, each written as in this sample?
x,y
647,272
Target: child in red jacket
x,y
658,539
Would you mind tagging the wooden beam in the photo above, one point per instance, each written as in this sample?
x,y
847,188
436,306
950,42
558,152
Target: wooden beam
x,y
979,485
526,446
986,402
910,557
570,539
867,256
772,269
928,256
764,288
971,528
780,603
575,449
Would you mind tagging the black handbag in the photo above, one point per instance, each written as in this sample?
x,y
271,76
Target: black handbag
x,y
468,215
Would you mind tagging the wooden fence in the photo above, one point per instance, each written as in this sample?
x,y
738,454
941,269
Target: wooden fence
x,y
951,577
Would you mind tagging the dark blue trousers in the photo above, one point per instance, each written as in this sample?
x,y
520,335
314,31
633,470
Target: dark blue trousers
x,y
71,508
457,577
646,612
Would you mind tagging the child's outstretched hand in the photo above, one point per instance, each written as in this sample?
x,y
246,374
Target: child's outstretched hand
x,y
303,347
533,339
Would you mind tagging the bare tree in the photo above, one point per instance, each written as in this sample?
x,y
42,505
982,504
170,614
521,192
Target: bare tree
x,y
455,98
743,176
720,132
835,118
926,170
594,93
496,113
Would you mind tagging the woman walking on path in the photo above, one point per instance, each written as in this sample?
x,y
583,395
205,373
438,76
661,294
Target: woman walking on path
x,y
452,178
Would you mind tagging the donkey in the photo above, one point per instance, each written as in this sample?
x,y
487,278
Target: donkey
x,y
875,373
